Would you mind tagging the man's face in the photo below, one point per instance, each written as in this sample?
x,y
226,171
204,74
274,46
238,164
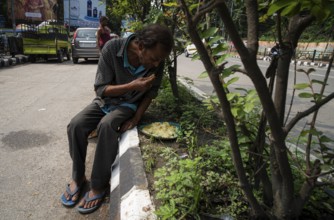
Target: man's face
x,y
152,57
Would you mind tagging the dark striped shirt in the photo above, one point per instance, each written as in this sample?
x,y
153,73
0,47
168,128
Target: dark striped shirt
x,y
111,71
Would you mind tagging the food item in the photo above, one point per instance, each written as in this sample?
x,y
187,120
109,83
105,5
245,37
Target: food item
x,y
161,129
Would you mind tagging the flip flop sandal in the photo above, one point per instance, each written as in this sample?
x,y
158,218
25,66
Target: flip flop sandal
x,y
69,202
101,196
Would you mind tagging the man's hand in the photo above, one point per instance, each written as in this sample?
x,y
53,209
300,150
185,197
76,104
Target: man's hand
x,y
143,83
129,124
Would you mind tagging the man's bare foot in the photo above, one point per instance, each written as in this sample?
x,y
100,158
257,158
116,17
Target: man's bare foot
x,y
91,194
74,190
92,201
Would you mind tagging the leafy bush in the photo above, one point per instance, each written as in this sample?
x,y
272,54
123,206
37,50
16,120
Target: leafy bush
x,y
205,181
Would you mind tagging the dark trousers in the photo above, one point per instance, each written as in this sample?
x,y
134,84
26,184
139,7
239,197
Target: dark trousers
x,y
108,133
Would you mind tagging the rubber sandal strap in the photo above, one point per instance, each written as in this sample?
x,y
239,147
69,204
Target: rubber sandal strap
x,y
98,196
68,190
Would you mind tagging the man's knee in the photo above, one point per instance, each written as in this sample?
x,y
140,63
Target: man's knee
x,y
75,123
110,126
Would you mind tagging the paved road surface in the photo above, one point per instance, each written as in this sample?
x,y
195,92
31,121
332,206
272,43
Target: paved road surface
x,y
188,68
37,102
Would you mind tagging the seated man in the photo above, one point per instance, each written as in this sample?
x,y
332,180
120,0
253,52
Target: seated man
x,y
128,77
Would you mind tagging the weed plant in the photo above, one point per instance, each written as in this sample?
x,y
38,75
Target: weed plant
x,y
195,175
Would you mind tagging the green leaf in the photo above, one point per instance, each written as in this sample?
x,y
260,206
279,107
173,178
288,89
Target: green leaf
x,y
233,80
209,32
214,40
313,81
195,56
230,70
193,6
328,206
203,75
301,70
231,96
263,18
278,5
305,95
324,139
304,133
301,86
234,111
311,70
314,131
222,58
248,107
321,13
241,89
318,97
291,10
170,4
219,48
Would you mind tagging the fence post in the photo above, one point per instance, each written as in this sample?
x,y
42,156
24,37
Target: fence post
x,y
314,52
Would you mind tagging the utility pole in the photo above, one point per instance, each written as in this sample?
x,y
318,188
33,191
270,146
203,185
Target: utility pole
x,y
69,16
13,17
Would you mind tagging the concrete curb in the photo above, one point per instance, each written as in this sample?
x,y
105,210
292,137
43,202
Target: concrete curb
x,y
298,62
12,61
129,194
309,63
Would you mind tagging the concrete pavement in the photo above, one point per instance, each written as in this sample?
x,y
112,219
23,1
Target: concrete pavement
x,y
34,161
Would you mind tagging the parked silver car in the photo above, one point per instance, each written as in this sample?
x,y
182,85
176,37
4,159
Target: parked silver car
x,y
84,44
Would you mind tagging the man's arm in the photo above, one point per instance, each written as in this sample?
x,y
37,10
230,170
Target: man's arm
x,y
132,122
140,84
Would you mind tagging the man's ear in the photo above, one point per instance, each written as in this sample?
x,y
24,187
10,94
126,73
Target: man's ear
x,y
140,46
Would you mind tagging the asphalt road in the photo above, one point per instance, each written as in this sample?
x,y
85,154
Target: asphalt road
x,y
37,102
191,69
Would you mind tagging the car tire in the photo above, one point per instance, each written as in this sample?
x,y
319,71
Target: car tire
x,y
68,55
86,59
60,56
186,54
75,60
32,58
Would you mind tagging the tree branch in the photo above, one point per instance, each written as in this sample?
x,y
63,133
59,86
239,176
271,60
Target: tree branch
x,y
305,113
203,10
296,27
279,156
253,26
221,67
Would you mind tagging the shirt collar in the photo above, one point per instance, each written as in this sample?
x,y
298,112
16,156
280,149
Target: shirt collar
x,y
125,42
134,71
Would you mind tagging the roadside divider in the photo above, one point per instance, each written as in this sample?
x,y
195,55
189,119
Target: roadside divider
x,y
129,194
12,61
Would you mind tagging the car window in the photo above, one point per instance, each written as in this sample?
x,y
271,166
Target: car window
x,y
87,33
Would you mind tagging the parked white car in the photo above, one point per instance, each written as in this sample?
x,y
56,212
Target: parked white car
x,y
191,48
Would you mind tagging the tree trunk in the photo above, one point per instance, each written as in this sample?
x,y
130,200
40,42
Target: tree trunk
x,y
283,193
172,75
282,81
296,27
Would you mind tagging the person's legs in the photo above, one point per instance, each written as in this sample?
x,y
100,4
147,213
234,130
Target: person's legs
x,y
106,152
77,131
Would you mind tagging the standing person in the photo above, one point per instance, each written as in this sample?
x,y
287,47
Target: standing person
x,y
103,33
128,77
